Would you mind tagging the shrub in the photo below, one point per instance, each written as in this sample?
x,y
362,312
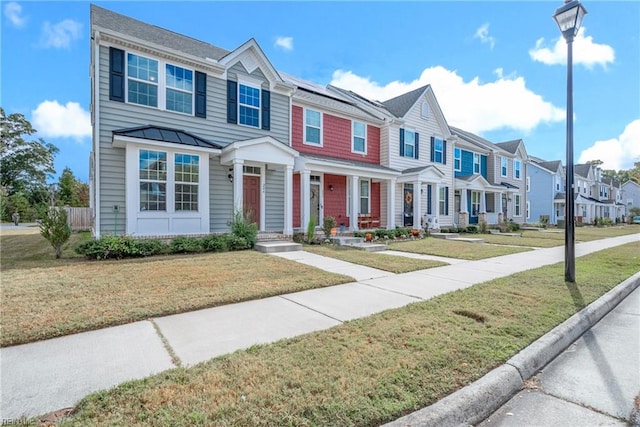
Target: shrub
x,y
512,226
55,229
149,247
114,247
328,224
311,230
484,228
243,226
237,243
185,244
215,243
472,229
605,222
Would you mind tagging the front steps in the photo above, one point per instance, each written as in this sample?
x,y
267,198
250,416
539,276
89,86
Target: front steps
x,y
274,246
358,243
456,236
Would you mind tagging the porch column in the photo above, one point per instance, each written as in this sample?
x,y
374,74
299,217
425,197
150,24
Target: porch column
x,y
391,204
288,201
305,199
238,173
417,202
500,214
355,205
463,200
483,201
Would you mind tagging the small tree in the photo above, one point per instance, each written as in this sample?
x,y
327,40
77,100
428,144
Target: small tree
x,y
55,229
328,224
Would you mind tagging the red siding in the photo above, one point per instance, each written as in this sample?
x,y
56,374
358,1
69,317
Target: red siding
x,y
335,202
375,200
296,200
336,138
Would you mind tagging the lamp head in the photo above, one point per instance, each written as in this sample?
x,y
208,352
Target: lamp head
x,y
569,18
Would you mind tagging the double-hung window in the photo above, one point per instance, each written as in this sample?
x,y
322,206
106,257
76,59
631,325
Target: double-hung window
x,y
153,180
186,177
517,166
442,201
457,159
312,127
359,143
476,163
517,205
142,80
179,89
475,203
409,143
504,162
249,105
364,196
438,149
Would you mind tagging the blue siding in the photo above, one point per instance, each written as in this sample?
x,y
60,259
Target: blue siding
x,y
541,193
466,164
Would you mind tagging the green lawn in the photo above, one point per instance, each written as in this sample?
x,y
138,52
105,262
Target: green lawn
x,y
394,264
370,371
453,249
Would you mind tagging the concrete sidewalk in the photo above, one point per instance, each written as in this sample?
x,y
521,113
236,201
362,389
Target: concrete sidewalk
x,y
49,375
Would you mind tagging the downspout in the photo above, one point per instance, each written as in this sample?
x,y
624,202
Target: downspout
x,y
96,131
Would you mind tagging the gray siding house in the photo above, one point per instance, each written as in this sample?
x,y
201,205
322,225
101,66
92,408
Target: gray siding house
x,y
546,196
185,133
631,195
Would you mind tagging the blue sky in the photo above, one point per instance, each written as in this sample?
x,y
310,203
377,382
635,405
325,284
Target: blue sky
x,y
498,69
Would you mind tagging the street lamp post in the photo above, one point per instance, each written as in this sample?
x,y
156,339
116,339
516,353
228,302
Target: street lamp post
x,y
569,18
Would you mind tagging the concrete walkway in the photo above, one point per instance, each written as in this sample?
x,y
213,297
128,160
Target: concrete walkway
x,y
49,375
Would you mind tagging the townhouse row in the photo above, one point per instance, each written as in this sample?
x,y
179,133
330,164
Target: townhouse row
x,y
185,134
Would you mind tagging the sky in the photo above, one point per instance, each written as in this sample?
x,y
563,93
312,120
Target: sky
x,y
498,69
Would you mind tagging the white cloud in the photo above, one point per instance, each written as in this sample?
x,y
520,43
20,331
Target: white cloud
x,y
51,119
61,35
585,52
616,153
285,43
13,11
473,106
482,34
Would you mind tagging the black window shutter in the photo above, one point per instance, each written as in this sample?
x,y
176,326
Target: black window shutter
x,y
444,152
232,101
433,150
417,148
201,95
266,110
116,74
446,200
429,199
401,142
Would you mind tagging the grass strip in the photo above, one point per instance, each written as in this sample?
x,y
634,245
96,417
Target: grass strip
x,y
454,249
393,264
46,302
369,371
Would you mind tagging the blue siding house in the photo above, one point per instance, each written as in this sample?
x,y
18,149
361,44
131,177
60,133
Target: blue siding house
x,y
546,191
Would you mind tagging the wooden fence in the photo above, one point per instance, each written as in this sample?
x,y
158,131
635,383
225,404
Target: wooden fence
x,y
79,218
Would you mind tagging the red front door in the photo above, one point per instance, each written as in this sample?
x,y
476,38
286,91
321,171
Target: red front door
x,y
251,197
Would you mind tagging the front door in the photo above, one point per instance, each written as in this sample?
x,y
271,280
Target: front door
x,y
456,211
408,205
251,197
314,207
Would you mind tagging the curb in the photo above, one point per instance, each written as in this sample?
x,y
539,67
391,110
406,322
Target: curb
x,y
477,401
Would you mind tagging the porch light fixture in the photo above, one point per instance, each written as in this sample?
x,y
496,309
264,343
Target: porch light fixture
x,y
230,176
330,187
569,18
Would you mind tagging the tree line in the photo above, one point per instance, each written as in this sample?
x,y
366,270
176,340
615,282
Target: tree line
x,y
26,164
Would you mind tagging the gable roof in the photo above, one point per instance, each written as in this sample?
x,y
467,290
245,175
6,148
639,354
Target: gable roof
x,y
553,165
400,105
510,146
164,134
472,138
582,170
113,21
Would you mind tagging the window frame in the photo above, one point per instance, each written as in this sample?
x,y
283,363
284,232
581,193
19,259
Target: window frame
x,y
255,85
478,164
528,184
407,144
186,183
474,195
158,181
442,201
517,169
504,166
437,151
161,85
457,159
363,137
425,106
306,125
367,196
517,205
